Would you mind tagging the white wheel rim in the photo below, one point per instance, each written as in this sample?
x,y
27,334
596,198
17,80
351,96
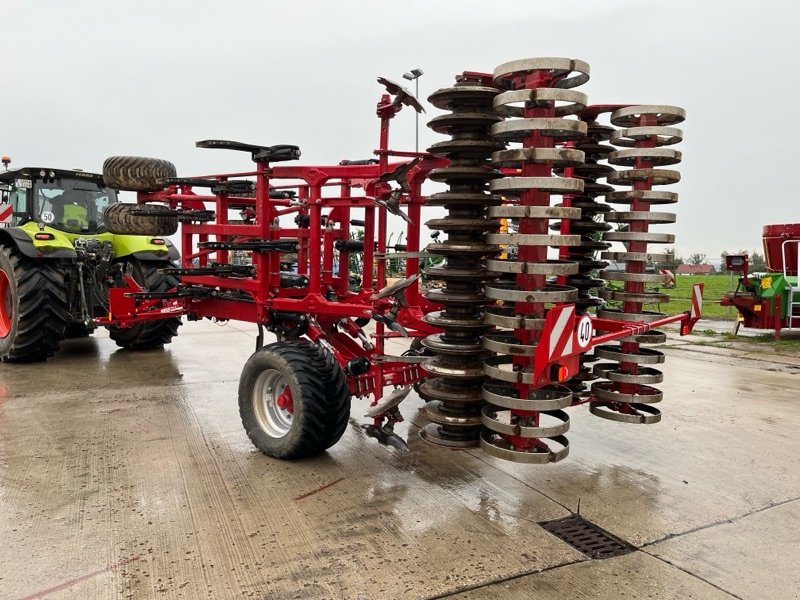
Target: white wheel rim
x,y
273,420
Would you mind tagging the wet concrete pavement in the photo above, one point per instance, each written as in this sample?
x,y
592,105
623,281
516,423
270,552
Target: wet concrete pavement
x,y
128,475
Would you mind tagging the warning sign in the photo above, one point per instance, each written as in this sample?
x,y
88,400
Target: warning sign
x,y
6,212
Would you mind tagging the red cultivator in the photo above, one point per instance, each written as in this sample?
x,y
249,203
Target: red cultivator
x,y
505,341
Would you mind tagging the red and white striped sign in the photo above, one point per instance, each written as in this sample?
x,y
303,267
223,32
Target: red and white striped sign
x,y
697,301
6,212
562,331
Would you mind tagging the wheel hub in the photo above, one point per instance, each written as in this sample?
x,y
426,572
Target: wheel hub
x,y
285,401
273,404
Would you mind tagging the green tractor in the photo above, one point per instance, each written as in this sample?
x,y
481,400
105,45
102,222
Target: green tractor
x,y
58,259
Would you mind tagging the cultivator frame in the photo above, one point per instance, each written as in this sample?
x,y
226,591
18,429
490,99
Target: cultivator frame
x,y
316,302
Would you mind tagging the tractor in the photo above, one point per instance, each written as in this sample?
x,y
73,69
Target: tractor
x,y
58,261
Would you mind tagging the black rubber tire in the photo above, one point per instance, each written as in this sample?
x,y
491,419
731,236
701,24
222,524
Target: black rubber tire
x,y
35,304
148,334
140,219
136,173
321,399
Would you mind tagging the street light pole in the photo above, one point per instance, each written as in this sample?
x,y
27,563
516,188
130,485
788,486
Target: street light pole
x,y
414,75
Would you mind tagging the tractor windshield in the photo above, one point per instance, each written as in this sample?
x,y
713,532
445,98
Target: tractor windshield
x,y
72,205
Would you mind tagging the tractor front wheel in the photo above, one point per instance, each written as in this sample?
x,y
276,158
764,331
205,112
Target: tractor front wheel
x,y
148,334
33,307
293,399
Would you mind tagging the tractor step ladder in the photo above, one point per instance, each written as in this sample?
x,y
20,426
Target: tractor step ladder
x,y
793,289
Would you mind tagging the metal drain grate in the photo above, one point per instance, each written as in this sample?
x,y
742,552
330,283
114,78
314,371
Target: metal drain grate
x,y
586,537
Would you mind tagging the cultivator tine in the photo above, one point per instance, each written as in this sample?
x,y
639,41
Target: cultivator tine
x,y
388,402
401,94
390,321
396,289
385,436
392,204
400,175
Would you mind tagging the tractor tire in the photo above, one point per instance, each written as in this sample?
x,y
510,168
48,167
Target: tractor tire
x,y
318,397
148,334
33,307
140,219
137,173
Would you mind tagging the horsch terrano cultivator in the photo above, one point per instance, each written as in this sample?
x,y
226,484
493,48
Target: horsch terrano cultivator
x,y
512,334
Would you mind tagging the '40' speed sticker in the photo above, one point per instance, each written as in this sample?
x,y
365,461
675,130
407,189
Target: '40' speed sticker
x,y
585,331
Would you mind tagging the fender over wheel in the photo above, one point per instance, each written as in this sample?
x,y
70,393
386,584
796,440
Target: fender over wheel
x,y
293,399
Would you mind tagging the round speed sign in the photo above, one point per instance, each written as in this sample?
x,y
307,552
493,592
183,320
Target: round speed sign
x,y
585,331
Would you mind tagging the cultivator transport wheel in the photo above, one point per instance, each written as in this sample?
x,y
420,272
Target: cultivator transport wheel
x,y
140,219
148,334
293,399
33,307
137,173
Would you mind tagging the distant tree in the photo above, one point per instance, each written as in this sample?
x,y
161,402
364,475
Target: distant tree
x,y
757,262
671,261
697,259
723,255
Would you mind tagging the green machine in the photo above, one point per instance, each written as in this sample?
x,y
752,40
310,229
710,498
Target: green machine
x,y
58,260
766,300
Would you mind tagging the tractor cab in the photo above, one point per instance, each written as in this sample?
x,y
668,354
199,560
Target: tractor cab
x,y
70,201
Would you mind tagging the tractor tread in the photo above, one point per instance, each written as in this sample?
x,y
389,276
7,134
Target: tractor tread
x,y
39,305
137,173
137,219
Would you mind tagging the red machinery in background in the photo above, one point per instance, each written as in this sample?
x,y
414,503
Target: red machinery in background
x,y
768,300
506,341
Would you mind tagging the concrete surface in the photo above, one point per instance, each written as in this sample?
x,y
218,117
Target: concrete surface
x,y
128,475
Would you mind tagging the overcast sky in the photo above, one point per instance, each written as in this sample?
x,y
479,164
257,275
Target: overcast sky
x,y
85,80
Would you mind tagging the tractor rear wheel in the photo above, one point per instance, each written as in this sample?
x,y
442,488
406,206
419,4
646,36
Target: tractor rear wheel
x,y
137,173
140,219
148,334
293,399
33,307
